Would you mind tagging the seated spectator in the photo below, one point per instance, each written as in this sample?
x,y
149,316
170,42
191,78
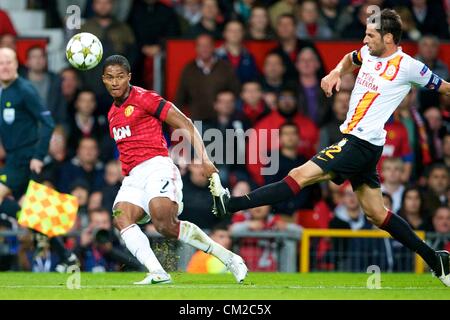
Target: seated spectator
x,y
441,225
289,46
198,201
99,247
446,150
113,181
397,146
428,53
84,124
288,160
260,254
242,9
202,78
312,100
236,54
48,84
57,154
280,8
80,189
202,262
437,187
391,172
356,29
189,14
335,14
85,166
412,209
287,111
273,74
429,17
252,103
258,25
436,131
409,28
330,132
6,26
70,84
211,22
310,26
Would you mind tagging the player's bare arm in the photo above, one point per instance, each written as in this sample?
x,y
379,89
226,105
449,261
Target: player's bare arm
x,y
177,120
333,79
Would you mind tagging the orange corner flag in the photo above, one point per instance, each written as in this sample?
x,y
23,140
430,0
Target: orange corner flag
x,y
48,211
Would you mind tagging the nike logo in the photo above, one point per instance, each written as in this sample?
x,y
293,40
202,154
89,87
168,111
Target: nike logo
x,y
158,281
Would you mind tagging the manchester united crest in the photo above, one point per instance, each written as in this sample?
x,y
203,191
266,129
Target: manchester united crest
x,y
129,111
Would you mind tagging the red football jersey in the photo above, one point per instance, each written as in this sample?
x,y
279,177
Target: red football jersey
x,y
136,126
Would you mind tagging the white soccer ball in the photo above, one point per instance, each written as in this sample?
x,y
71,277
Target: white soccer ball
x,y
84,51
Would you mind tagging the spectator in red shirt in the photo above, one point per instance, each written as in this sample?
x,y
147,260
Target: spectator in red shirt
x,y
252,102
287,111
6,26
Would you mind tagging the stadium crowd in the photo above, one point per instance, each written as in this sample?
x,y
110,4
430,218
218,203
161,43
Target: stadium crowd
x,y
225,89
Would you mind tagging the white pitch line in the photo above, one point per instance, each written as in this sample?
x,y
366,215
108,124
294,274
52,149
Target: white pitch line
x,y
163,286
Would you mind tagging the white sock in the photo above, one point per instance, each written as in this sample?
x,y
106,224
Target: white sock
x,y
139,246
193,235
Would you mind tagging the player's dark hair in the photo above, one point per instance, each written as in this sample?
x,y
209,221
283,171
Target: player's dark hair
x,y
390,22
117,60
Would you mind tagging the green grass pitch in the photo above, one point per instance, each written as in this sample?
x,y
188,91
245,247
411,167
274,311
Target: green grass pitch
x,y
222,287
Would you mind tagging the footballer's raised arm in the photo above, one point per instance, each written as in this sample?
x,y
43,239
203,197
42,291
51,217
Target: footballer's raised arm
x,y
177,120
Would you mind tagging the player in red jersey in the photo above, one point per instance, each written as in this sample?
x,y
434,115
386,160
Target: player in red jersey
x,y
152,187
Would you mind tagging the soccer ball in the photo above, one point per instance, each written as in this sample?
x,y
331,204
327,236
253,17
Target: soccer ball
x,y
84,51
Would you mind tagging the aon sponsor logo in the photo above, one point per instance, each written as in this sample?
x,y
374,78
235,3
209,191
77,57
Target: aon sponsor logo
x,y
121,133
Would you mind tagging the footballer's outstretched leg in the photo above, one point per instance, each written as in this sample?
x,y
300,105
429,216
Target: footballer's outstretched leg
x,y
125,217
164,217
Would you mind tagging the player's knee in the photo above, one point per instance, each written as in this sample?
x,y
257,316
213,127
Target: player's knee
x,y
375,216
299,175
121,220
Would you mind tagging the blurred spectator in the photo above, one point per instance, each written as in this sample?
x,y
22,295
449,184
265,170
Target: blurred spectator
x,y
289,46
258,25
80,189
441,225
260,254
436,131
252,102
48,84
99,247
273,75
120,11
412,209
397,145
409,28
287,111
152,22
116,37
230,155
288,160
280,8
335,15
312,100
9,245
211,22
233,51
356,29
85,166
429,17
57,154
428,52
202,78
84,123
198,201
330,132
6,26
189,12
70,84
243,9
391,171
202,262
446,150
113,180
408,115
437,186
310,26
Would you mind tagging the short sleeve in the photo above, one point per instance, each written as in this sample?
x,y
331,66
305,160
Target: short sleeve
x,y
421,75
358,55
157,106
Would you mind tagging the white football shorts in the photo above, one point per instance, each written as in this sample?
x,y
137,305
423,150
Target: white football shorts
x,y
156,177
